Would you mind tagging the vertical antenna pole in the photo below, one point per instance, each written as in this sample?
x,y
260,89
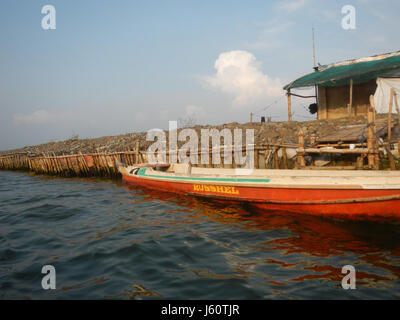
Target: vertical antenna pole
x,y
313,45
315,64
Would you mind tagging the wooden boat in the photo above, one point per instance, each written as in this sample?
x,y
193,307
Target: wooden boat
x,y
317,192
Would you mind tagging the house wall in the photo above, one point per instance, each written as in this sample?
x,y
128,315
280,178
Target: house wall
x,y
333,101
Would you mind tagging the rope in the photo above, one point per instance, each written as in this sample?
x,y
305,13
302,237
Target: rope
x,y
363,139
258,113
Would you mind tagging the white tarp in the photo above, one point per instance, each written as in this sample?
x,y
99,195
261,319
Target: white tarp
x,y
382,94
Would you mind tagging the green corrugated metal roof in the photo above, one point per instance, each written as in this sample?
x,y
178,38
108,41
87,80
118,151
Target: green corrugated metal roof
x,y
340,75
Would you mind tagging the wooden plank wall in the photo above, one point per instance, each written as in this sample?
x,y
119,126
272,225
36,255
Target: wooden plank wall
x,y
333,101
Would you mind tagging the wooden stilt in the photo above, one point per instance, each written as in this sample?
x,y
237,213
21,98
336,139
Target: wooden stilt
x,y
276,159
300,155
284,158
137,160
391,159
371,141
351,99
289,97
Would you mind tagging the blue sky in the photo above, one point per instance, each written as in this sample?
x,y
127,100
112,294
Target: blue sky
x,y
112,67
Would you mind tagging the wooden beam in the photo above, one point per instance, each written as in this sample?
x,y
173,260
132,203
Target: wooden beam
x,y
329,168
390,114
371,140
301,150
334,151
350,107
289,97
300,96
391,159
284,158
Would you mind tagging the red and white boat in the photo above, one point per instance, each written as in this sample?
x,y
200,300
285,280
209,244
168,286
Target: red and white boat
x,y
317,192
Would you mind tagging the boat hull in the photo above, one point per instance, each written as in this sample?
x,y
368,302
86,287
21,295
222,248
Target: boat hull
x,y
340,201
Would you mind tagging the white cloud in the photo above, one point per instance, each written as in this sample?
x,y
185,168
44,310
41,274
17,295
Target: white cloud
x,y
292,5
239,74
37,117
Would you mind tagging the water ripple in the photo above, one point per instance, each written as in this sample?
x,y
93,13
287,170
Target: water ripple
x,y
110,240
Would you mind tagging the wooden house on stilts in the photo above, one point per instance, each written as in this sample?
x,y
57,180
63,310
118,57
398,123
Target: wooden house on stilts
x,y
361,87
343,89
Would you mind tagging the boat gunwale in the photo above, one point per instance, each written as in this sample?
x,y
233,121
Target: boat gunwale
x,y
252,185
179,178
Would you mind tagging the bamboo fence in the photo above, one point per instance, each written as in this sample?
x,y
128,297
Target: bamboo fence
x,y
105,164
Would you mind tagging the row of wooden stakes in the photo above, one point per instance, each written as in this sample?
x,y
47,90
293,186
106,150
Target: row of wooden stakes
x,y
102,165
105,165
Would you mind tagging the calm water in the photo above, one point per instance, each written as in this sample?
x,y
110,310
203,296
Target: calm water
x,y
109,240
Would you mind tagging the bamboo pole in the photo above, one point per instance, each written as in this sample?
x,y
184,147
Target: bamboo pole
x,y
256,159
105,164
85,168
284,158
53,164
371,141
276,159
360,162
69,169
289,97
351,98
95,164
390,114
261,160
50,165
58,164
102,168
391,159
336,151
300,153
137,160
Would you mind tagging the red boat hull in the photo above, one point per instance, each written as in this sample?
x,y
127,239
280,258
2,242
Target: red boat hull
x,y
342,202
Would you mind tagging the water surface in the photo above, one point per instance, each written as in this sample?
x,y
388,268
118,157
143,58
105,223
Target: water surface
x,y
110,240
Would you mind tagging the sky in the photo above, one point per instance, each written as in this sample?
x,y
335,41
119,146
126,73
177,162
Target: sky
x,y
113,67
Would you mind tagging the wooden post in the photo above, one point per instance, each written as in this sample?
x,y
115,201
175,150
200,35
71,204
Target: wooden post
x,y
300,155
396,104
276,159
256,159
360,162
251,117
284,158
137,160
261,161
351,98
289,97
391,159
105,161
371,135
390,115
85,167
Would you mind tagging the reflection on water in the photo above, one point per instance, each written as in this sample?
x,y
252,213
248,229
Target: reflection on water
x,y
112,240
